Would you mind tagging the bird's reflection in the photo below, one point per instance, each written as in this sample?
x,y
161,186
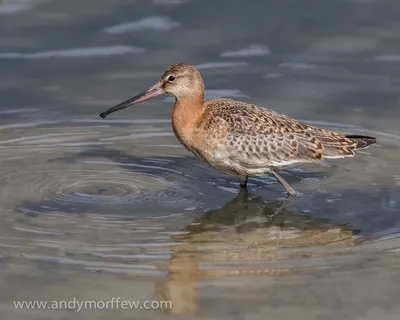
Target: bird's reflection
x,y
241,213
229,239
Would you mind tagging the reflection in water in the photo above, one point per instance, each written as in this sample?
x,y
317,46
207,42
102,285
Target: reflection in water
x,y
247,229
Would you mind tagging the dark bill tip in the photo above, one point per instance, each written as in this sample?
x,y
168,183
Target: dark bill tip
x,y
148,94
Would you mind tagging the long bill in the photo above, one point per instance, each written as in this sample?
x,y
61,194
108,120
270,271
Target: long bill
x,y
154,91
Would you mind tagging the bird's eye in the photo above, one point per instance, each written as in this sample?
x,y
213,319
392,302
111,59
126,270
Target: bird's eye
x,y
171,78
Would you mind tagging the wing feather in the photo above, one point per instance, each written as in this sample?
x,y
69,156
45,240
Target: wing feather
x,y
255,137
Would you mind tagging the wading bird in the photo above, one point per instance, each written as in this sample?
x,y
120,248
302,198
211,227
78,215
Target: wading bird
x,y
239,138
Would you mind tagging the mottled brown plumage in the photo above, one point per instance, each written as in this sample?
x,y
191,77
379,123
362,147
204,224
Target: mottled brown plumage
x,y
239,138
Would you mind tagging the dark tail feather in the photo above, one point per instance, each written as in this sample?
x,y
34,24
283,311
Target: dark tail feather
x,y
362,141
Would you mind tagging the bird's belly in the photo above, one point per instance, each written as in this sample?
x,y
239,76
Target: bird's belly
x,y
216,155
230,166
215,160
227,164
198,152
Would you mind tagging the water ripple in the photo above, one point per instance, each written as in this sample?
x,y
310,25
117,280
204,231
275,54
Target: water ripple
x,y
150,23
15,7
85,52
255,50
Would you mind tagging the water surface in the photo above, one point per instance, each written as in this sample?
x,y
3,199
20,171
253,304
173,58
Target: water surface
x,y
93,209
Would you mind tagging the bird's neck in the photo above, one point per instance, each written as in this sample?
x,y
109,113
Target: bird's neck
x,y
186,115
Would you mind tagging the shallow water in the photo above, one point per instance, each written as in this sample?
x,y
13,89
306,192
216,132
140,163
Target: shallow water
x,y
92,209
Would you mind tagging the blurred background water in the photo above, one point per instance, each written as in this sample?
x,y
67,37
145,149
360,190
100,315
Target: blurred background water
x,y
93,209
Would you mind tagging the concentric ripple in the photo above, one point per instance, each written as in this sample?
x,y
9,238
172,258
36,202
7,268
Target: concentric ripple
x,y
104,188
88,190
80,168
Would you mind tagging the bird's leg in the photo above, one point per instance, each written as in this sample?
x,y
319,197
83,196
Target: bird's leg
x,y
243,195
243,182
283,183
283,204
279,208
